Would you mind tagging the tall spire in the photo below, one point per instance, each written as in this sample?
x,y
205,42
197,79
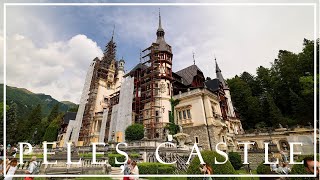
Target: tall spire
x,y
162,45
110,51
217,66
114,26
219,75
194,61
160,31
160,27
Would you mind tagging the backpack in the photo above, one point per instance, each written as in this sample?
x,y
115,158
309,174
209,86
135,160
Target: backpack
x,y
36,169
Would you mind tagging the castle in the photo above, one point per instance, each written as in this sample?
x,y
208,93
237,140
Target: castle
x,y
113,99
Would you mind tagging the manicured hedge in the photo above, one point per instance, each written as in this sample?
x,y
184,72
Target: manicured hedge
x,y
120,158
209,157
134,132
235,159
155,168
263,169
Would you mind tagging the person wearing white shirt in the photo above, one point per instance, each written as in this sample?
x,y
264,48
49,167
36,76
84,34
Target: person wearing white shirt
x,y
11,169
134,170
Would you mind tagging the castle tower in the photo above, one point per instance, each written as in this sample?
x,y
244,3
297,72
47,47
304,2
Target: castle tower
x,y
102,85
156,86
120,74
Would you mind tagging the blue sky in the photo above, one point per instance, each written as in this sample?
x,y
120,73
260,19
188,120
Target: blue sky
x,y
50,48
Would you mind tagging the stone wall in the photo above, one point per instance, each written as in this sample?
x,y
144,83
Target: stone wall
x,y
253,158
200,132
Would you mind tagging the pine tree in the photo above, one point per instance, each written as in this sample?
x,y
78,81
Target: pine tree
x,y
52,130
11,122
33,123
54,113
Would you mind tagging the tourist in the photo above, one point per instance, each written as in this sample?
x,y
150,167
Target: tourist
x,y
14,151
11,169
32,167
285,168
309,165
127,169
206,170
134,170
273,165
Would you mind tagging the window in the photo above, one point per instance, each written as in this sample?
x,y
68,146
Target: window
x,y
184,115
168,86
196,138
213,111
157,113
180,115
108,86
189,113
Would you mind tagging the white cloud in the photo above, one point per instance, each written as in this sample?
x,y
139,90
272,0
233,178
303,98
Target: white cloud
x,y
58,69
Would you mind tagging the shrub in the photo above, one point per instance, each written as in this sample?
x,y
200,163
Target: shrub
x,y
235,160
120,158
263,169
209,157
134,132
155,168
300,169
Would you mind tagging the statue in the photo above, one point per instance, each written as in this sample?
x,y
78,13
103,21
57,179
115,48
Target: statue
x,y
280,126
145,133
180,129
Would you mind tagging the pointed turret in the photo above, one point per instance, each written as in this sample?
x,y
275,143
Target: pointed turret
x,y
220,77
110,51
160,32
163,46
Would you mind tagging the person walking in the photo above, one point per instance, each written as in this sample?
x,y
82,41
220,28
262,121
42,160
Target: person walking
x,y
127,169
11,169
206,170
134,171
32,168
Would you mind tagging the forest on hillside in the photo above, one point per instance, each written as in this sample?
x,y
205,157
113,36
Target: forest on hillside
x,y
31,117
282,94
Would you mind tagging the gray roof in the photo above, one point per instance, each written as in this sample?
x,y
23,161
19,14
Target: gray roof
x,y
188,73
138,66
220,77
69,116
213,84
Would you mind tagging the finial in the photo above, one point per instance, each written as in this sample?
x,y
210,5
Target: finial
x,y
159,19
140,56
114,26
194,61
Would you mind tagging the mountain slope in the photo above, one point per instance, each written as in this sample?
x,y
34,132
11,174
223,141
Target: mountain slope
x,y
27,100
